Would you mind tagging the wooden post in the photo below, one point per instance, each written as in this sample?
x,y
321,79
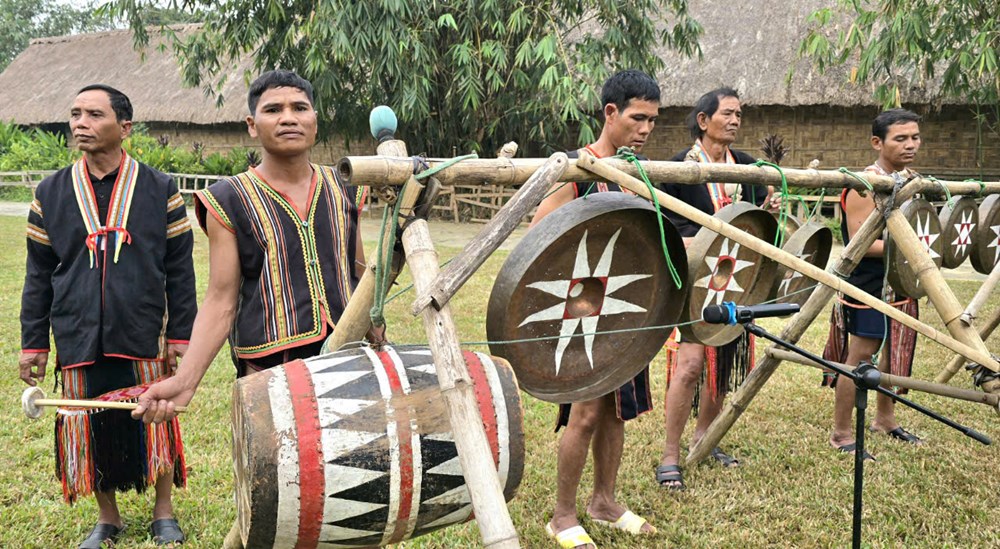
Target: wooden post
x,y
889,381
938,291
972,310
356,319
609,173
381,171
474,454
985,330
478,249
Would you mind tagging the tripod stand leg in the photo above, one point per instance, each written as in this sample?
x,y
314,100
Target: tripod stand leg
x,y
860,404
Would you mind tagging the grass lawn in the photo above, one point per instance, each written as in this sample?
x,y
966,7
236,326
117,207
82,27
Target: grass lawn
x,y
793,490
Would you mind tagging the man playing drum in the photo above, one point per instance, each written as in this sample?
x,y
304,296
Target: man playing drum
x,y
284,245
896,137
713,122
631,102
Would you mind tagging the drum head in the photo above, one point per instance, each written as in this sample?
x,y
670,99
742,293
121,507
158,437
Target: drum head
x,y
593,265
958,225
723,270
923,218
986,247
811,243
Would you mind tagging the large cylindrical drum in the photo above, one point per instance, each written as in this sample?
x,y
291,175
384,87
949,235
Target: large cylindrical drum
x,y
354,448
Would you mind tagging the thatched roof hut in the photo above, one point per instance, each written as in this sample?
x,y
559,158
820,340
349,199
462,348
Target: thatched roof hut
x,y
39,85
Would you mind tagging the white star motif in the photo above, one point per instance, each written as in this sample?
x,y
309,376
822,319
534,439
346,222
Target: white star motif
x,y
964,237
925,235
714,263
790,276
995,242
573,288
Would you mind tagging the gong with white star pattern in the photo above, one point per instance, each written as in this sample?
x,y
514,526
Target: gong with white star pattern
x,y
959,220
923,217
573,305
986,251
724,270
812,243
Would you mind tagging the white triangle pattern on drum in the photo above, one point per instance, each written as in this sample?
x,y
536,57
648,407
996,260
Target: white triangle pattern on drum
x,y
424,368
329,381
455,517
337,509
330,531
443,437
340,442
332,410
320,363
342,477
451,467
458,494
423,352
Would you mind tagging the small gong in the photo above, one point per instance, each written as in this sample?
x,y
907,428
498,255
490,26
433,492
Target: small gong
x,y
724,270
593,265
986,247
923,218
812,243
959,220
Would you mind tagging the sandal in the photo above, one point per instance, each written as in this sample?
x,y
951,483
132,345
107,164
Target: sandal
x,y
902,434
166,531
101,533
671,477
849,448
570,538
628,522
725,459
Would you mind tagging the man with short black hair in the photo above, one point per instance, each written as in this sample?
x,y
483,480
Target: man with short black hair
x,y
896,138
631,104
109,271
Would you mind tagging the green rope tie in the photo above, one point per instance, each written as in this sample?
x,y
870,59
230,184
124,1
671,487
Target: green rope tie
x,y
779,238
982,186
629,155
446,164
819,203
947,192
383,263
863,181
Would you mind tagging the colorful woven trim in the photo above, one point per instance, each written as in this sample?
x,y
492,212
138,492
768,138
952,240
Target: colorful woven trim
x,y
717,191
118,212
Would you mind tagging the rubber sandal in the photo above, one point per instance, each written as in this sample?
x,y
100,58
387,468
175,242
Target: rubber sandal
x,y
101,533
672,474
902,434
628,522
725,459
569,538
848,448
166,531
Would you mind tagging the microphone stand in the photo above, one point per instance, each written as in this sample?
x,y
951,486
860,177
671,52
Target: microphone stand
x,y
866,378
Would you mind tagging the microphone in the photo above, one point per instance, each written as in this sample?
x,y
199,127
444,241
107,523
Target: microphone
x,y
730,313
382,122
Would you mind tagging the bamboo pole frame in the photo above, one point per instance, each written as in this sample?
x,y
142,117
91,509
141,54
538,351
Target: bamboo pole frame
x,y
958,361
990,284
355,320
379,171
889,381
495,525
610,173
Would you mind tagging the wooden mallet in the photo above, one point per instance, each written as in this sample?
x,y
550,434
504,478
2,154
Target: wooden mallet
x,y
33,400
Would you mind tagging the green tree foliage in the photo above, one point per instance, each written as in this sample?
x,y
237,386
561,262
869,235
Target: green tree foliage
x,y
950,46
22,20
469,75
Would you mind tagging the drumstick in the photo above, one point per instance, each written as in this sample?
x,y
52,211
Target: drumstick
x,y
33,400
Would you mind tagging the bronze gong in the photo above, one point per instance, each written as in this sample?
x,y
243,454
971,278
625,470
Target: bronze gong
x,y
986,247
593,265
923,218
812,243
959,220
723,270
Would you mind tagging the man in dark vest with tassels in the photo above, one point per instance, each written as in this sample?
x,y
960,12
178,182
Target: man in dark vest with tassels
x,y
109,271
713,122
